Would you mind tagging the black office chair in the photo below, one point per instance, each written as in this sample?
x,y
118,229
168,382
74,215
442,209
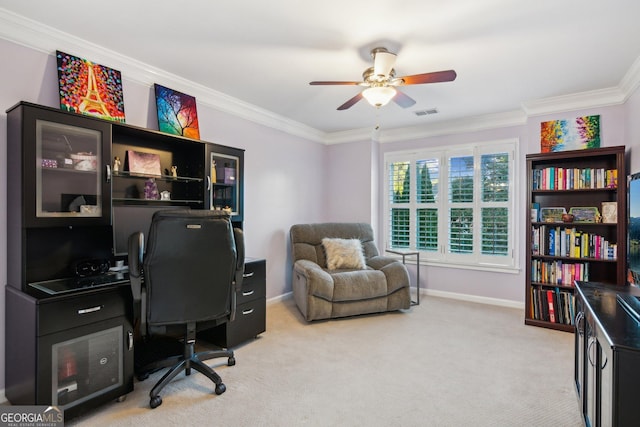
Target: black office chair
x,y
192,272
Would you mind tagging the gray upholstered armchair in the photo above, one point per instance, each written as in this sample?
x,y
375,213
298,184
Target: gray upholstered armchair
x,y
333,277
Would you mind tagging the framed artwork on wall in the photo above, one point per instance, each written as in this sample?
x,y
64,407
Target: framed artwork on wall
x,y
562,135
177,112
89,88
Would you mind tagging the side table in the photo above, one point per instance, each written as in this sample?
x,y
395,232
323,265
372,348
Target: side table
x,y
404,255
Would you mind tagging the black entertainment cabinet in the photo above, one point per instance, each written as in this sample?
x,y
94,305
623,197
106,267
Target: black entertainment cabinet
x,y
70,210
607,353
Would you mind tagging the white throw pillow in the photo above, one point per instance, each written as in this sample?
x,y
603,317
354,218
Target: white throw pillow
x,y
343,253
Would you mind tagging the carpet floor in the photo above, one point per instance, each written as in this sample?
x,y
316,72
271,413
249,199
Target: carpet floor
x,y
443,363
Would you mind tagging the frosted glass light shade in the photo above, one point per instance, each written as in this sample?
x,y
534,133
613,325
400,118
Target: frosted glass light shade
x,y
379,96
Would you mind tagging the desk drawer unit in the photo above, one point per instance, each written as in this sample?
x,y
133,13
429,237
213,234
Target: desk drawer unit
x,y
250,318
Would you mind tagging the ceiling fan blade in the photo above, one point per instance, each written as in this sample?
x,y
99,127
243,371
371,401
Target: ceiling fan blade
x,y
333,83
435,77
383,62
350,102
403,100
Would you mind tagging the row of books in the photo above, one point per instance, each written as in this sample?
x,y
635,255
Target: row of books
x,y
570,242
556,178
558,272
553,305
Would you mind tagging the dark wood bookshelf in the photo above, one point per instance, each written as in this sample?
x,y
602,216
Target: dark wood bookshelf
x,y
576,163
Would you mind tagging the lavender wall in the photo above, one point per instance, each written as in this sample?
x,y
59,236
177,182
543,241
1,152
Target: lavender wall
x,y
632,130
284,175
353,185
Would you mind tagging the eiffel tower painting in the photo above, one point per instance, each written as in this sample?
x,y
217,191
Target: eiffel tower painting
x,y
89,88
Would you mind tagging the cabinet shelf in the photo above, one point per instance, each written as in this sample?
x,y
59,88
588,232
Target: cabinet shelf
x,y
573,259
552,285
165,178
604,240
156,202
576,224
579,190
68,170
551,325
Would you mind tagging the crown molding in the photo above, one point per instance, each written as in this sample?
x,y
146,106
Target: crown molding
x,y
576,101
631,80
37,36
34,35
451,127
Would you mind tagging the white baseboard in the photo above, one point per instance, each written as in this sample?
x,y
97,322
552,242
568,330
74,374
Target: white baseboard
x,y
436,293
473,298
280,298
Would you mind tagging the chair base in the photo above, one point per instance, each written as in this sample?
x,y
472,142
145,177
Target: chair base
x,y
185,363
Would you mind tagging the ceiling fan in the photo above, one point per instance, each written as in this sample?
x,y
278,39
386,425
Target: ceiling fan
x,y
381,83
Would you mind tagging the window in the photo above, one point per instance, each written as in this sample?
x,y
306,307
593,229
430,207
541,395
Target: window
x,y
455,205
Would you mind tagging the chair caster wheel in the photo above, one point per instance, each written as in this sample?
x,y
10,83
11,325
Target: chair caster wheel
x,y
231,361
155,402
220,388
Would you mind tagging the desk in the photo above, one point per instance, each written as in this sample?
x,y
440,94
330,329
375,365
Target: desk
x,y
404,254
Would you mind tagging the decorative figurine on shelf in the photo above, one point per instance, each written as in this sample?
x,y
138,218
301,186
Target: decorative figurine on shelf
x,y
151,190
213,171
165,195
174,171
116,164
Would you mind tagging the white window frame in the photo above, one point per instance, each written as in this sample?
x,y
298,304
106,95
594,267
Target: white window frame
x,y
442,257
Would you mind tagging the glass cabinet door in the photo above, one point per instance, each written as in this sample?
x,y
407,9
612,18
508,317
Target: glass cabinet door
x,y
225,183
71,176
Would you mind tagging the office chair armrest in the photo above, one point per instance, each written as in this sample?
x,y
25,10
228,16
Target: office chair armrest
x,y
136,254
238,236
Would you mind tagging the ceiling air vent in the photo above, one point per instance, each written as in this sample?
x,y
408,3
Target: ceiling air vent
x,y
426,112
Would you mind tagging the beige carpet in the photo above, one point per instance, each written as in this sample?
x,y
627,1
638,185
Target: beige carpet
x,y
442,363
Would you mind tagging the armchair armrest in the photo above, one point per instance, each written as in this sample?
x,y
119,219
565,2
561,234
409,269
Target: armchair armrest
x,y
318,281
380,261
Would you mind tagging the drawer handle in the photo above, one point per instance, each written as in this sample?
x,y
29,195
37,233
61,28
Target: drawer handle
x,y
246,294
246,312
90,309
245,275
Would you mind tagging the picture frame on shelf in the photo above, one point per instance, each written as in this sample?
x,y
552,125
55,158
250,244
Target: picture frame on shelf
x,y
552,214
143,163
610,212
585,214
535,212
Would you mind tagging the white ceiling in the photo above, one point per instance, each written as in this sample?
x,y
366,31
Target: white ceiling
x,y
507,53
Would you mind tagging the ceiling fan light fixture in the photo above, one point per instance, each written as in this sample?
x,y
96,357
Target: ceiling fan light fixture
x,y
379,96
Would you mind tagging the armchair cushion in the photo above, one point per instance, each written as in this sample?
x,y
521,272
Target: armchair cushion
x,y
343,253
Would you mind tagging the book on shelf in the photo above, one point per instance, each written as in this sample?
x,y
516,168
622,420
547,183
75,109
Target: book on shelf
x,y
559,178
570,242
552,305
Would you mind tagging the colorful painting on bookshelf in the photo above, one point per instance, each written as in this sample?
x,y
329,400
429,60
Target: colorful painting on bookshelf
x,y
578,134
177,112
89,88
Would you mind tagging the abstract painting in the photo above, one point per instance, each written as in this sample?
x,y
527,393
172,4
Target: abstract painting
x,y
177,113
89,88
562,135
